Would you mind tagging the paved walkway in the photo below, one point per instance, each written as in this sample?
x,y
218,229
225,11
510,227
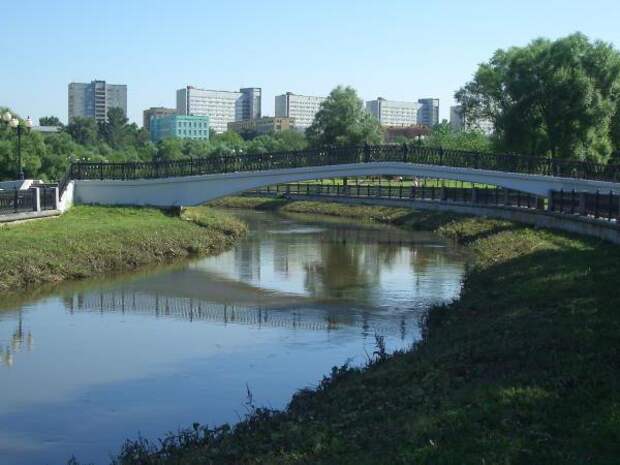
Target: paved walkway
x,y
25,216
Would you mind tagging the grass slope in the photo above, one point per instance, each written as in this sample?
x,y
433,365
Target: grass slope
x,y
87,241
523,369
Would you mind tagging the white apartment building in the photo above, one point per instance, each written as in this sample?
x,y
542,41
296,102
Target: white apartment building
x,y
222,107
302,108
459,122
393,113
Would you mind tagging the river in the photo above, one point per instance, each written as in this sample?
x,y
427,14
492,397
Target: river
x,y
90,364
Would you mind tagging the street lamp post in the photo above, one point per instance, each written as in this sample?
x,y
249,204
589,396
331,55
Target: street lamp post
x,y
14,123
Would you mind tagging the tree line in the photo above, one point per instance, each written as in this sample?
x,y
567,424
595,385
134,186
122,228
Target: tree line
x,y
557,99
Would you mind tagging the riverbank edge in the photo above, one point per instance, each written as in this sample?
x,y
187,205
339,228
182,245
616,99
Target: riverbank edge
x,y
522,368
91,241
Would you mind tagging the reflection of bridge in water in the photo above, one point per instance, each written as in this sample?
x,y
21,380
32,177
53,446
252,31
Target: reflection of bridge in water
x,y
318,317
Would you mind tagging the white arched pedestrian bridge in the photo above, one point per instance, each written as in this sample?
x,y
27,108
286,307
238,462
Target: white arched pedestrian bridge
x,y
195,181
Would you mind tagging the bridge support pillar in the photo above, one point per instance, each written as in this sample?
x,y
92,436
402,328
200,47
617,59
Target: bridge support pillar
x,y
540,203
474,195
506,198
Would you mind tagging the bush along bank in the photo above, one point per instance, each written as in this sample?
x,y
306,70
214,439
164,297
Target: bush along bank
x,y
523,369
89,241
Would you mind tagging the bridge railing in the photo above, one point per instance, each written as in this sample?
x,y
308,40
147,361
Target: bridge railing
x,y
604,205
474,195
599,205
343,155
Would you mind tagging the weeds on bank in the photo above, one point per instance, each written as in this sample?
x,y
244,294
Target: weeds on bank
x,y
88,241
524,368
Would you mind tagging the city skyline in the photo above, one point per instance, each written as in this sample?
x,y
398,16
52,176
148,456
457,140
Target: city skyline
x,y
396,50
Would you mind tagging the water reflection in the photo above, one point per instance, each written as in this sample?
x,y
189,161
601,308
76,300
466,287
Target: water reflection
x,y
21,339
165,306
154,351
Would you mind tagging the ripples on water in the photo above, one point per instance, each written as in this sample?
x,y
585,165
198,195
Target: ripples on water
x,y
96,362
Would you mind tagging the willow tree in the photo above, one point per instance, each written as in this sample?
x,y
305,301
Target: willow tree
x,y
557,98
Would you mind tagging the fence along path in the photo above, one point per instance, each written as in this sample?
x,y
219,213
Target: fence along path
x,y
597,205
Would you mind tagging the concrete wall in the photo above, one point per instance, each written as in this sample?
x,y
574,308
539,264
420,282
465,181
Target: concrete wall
x,y
606,230
66,201
194,190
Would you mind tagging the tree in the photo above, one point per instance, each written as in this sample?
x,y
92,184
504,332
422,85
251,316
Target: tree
x,y
342,120
50,121
113,130
170,149
443,135
290,139
554,98
83,130
615,129
226,143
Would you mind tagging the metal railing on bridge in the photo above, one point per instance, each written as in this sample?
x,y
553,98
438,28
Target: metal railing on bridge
x,y
475,195
603,205
343,155
599,205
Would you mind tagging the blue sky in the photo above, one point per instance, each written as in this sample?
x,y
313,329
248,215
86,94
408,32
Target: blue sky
x,y
391,48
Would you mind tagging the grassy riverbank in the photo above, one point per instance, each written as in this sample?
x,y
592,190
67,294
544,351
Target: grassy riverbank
x,y
523,369
424,220
89,241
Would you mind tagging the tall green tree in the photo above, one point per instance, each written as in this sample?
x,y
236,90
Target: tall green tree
x,y
83,130
554,98
50,121
113,130
342,120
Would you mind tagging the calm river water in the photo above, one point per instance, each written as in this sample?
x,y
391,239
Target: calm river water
x,y
91,364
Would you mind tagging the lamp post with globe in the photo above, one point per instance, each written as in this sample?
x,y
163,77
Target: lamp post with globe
x,y
13,122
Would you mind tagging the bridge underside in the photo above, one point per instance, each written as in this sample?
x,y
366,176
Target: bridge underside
x,y
195,190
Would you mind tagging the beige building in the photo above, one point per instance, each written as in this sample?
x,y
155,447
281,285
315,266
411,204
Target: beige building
x,y
155,112
259,126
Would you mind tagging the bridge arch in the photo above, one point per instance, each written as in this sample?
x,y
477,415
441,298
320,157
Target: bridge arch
x,y
196,190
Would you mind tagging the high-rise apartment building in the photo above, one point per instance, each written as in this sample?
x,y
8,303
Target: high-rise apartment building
x,y
94,99
155,112
428,114
181,126
222,107
251,103
302,108
458,121
393,113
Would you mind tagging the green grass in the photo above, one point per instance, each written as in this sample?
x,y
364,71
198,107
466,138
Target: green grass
x,y
523,369
399,216
88,241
